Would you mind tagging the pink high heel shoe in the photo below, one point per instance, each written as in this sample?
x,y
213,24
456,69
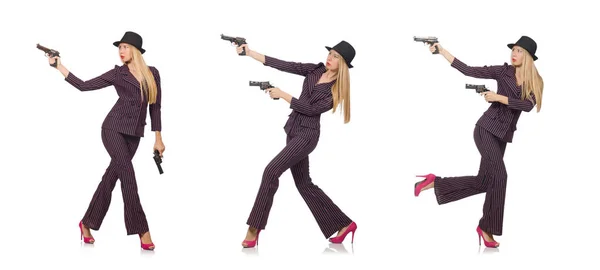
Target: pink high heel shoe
x,y
146,246
87,240
339,239
251,243
492,244
421,184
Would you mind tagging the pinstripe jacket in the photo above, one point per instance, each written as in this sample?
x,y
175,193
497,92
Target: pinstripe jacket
x,y
128,115
314,100
499,119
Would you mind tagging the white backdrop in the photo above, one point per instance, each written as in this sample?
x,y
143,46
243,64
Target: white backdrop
x,y
410,115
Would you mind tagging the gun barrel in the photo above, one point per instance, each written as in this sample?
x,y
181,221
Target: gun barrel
x,y
474,86
42,48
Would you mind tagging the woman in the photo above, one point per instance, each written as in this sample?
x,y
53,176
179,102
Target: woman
x,y
137,86
325,87
520,88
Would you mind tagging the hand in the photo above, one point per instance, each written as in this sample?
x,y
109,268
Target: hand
x,y
239,49
275,92
158,145
436,45
51,60
491,96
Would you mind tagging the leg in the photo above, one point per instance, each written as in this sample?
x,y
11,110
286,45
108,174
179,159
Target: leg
x,y
135,219
296,149
449,189
328,215
493,207
102,197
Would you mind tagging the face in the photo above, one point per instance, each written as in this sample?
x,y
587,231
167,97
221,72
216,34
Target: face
x,y
333,60
125,52
517,55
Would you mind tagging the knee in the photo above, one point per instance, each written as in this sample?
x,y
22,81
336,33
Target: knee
x,y
271,173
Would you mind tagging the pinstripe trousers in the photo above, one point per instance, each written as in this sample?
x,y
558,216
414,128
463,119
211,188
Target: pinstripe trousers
x,y
294,156
121,149
491,179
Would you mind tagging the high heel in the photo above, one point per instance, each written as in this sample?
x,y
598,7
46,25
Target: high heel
x,y
146,246
492,244
87,240
251,243
429,178
339,239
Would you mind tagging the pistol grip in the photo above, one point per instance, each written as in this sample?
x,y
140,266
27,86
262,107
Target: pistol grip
x,y
437,51
243,50
276,99
55,64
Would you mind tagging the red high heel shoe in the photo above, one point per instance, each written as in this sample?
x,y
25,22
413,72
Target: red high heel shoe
x,y
492,244
339,239
251,243
87,240
146,246
421,184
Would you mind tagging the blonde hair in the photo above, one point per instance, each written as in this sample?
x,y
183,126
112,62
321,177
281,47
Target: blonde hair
x,y
341,90
148,84
532,81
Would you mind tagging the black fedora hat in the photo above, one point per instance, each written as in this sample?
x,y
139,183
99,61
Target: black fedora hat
x,y
131,38
345,50
526,43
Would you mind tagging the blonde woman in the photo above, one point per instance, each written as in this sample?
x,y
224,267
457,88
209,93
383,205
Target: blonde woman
x,y
520,88
137,86
326,86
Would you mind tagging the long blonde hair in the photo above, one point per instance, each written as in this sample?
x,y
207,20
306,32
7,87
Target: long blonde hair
x,y
341,90
532,81
148,84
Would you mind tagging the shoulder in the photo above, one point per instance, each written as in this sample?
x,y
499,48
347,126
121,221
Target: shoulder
x,y
154,71
506,69
319,68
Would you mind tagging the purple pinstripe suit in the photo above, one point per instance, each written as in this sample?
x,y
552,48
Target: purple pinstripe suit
x,y
121,132
492,132
303,131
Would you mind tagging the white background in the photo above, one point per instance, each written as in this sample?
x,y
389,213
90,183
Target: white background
x,y
410,115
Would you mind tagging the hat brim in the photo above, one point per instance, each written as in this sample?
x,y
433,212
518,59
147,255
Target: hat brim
x,y
116,43
329,49
511,45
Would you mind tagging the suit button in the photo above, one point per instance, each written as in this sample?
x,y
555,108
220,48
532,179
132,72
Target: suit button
x,y
129,117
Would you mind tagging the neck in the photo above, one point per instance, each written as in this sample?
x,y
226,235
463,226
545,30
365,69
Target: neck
x,y
330,74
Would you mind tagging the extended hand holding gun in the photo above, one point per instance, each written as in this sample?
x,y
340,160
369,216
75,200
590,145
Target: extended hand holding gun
x,y
49,52
263,85
239,41
158,161
479,88
428,40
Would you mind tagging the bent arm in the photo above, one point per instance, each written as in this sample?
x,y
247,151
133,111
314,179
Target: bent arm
x,y
521,105
322,103
155,113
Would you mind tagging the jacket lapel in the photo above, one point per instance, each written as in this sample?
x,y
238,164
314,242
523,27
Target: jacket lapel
x,y
511,81
128,77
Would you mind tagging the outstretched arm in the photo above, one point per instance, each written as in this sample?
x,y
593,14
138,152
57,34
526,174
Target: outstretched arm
x,y
297,68
485,72
99,82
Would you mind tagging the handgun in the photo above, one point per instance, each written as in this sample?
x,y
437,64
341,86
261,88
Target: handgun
x,y
428,40
49,52
479,88
239,41
158,161
263,85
